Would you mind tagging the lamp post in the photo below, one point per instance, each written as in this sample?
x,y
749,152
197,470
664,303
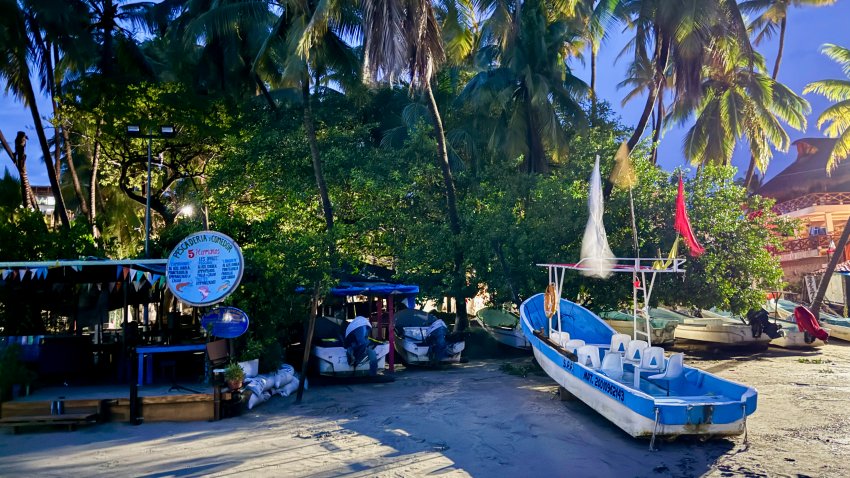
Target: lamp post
x,y
135,131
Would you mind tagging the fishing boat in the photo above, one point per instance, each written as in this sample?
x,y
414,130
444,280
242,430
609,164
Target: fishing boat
x,y
782,311
330,356
504,327
422,339
721,331
663,331
634,386
629,382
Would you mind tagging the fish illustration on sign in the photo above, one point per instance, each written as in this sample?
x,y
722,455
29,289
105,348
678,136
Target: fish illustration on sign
x,y
181,285
205,291
223,286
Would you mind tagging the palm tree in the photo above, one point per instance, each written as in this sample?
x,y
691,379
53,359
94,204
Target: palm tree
x,y
529,86
739,102
680,33
772,13
402,39
22,45
837,121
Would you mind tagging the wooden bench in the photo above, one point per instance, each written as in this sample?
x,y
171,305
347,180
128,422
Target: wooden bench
x,y
71,420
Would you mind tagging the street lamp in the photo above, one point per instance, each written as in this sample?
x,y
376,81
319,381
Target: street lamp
x,y
135,131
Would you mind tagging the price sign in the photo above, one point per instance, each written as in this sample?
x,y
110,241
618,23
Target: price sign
x,y
204,268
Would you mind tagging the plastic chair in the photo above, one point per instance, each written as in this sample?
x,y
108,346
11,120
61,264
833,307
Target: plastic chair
x,y
619,343
560,338
573,345
675,369
634,351
651,361
588,355
612,366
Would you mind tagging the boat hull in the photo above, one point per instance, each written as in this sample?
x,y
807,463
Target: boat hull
x,y
413,352
728,335
511,337
660,335
333,361
709,405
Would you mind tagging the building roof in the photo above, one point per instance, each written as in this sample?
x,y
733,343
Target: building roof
x,y
807,174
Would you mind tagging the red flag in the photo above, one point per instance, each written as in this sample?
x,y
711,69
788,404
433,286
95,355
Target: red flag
x,y
683,224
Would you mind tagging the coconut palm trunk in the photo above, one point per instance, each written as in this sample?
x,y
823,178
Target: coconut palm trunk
x,y
662,53
830,269
310,130
451,209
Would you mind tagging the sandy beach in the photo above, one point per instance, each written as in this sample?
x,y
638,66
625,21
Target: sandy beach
x,y
482,418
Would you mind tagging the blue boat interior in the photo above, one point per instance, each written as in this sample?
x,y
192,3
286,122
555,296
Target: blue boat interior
x,y
692,387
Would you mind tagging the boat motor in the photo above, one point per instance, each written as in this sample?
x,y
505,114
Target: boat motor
x,y
436,340
357,343
759,322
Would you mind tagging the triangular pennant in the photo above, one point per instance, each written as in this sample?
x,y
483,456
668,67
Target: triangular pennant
x,y
44,272
137,285
137,276
99,286
125,271
118,285
111,286
22,273
77,268
118,272
5,273
683,224
148,277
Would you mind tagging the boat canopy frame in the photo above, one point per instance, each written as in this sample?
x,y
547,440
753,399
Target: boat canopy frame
x,y
639,267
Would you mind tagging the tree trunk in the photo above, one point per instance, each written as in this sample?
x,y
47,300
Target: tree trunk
x,y
451,210
536,160
310,129
20,160
29,95
751,169
782,26
662,52
593,98
830,268
69,159
95,163
656,131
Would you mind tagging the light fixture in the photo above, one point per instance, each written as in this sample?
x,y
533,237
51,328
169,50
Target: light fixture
x,y
167,131
134,130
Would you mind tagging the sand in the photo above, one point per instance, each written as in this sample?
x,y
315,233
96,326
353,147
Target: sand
x,y
473,419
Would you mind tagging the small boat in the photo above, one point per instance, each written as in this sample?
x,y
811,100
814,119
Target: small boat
x,y
721,331
663,331
782,334
783,311
329,355
422,339
504,327
675,400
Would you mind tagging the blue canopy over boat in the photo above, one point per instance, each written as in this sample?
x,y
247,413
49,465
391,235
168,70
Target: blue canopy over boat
x,y
378,289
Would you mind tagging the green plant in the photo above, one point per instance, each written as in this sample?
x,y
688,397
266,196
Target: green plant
x,y
234,373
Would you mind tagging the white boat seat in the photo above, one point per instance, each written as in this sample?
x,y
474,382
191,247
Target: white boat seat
x,y
588,355
560,338
651,361
675,369
634,351
619,343
612,366
573,345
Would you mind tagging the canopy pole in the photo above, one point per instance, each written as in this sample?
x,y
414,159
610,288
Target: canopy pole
x,y
391,331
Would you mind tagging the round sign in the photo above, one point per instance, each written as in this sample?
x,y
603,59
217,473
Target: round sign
x,y
204,268
225,322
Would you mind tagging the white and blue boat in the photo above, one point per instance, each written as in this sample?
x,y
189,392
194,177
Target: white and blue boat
x,y
666,399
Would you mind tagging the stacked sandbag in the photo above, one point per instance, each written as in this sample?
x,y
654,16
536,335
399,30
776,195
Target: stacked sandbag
x,y
283,382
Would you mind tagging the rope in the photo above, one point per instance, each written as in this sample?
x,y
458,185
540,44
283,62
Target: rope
x,y
655,430
746,438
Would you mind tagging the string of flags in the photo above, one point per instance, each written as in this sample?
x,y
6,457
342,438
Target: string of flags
x,y
135,278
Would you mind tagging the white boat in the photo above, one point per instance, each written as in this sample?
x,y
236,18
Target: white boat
x,y
783,311
787,335
330,356
581,353
714,330
422,339
663,331
504,327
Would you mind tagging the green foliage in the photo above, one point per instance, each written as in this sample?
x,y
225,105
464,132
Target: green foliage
x,y
233,372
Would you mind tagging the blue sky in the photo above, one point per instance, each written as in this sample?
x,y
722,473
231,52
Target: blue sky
x,y
808,29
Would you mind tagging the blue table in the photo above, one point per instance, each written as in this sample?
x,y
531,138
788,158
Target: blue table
x,y
147,351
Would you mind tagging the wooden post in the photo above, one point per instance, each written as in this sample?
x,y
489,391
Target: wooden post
x,y
311,326
391,332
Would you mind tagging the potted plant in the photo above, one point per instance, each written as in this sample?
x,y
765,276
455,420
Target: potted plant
x,y
234,375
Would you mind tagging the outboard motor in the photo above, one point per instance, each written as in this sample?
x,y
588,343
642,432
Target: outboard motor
x,y
357,339
759,323
436,340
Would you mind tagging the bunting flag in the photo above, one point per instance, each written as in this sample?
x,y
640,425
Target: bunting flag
x,y
77,268
118,270
22,273
137,285
683,224
5,273
623,174
41,273
125,271
148,277
111,286
118,286
595,252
